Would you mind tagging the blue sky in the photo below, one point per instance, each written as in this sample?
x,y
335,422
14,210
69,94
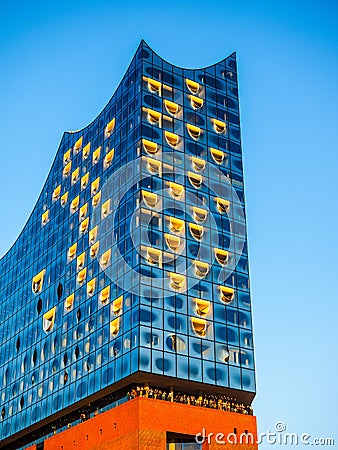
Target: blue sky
x,y
61,62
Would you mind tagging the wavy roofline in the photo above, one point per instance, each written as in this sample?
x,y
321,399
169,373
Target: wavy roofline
x,y
188,68
82,130
144,43
65,133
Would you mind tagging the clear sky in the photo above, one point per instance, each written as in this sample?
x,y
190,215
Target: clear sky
x,y
62,60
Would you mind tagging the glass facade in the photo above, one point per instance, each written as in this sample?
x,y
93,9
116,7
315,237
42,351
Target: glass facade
x,y
134,258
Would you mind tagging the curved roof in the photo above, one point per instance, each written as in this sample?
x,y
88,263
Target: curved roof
x,y
143,52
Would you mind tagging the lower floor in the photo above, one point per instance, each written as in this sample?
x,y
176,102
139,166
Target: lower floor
x,y
150,424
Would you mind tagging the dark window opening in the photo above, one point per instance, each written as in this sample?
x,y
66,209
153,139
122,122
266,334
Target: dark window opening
x,y
182,441
39,306
35,356
59,291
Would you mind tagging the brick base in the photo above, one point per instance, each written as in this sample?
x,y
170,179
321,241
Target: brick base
x,y
142,424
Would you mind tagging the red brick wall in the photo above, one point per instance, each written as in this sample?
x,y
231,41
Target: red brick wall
x,y
142,424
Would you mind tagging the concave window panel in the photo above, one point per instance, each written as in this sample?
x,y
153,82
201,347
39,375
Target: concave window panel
x,y
176,190
96,199
224,354
105,210
94,249
171,107
177,281
199,214
176,225
153,255
64,199
75,175
195,179
105,258
177,343
83,212
110,126
196,231
75,204
173,242
199,326
203,307
78,144
171,138
45,217
154,86
95,186
72,252
96,155
154,117
194,131
223,205
115,326
69,302
81,261
86,151
154,166
93,235
196,102
67,169
85,181
48,320
91,287
193,86
219,126
234,354
84,225
201,268
37,281
67,157
56,193
150,147
108,158
81,276
150,198
217,155
117,305
227,294
198,164
105,294
221,256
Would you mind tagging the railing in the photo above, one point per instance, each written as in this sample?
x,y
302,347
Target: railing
x,y
213,401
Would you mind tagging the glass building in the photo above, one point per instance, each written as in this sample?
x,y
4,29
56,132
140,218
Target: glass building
x,y
132,269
